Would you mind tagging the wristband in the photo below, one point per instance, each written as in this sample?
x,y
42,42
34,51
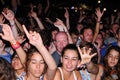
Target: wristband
x,y
15,45
98,22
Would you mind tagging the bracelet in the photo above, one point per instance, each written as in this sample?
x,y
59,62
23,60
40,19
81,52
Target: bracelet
x,y
15,45
98,22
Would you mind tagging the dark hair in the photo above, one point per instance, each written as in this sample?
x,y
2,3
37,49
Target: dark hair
x,y
94,50
30,53
87,27
118,31
71,47
107,69
6,70
74,31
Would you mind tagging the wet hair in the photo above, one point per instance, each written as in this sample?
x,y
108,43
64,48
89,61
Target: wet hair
x,y
70,47
6,70
88,45
107,69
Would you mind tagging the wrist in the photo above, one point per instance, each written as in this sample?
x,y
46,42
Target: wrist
x,y
15,44
12,23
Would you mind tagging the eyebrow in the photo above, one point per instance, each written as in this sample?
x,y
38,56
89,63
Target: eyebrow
x,y
36,60
67,56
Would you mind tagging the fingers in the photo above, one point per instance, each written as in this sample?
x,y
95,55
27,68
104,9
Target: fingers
x,y
88,51
80,52
26,32
93,55
4,14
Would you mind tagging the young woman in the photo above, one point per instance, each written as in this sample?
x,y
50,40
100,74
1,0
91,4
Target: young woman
x,y
111,68
71,58
37,60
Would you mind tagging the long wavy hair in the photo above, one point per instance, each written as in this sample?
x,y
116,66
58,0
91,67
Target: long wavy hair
x,y
107,69
6,70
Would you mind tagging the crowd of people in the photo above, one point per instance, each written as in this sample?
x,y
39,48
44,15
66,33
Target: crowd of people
x,y
35,47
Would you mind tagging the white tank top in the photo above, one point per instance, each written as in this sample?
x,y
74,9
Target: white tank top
x,y
75,77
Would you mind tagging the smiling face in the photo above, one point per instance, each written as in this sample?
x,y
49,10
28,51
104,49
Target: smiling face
x,y
36,65
88,35
113,58
70,60
61,41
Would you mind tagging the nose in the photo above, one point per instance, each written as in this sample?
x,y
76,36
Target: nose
x,y
69,61
38,65
113,58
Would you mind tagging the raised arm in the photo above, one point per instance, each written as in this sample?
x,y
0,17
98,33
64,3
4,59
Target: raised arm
x,y
59,23
35,39
19,25
34,15
8,36
67,18
9,15
99,15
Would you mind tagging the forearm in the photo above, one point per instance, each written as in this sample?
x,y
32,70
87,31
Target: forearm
x,y
47,57
68,23
39,23
97,27
19,25
19,50
14,28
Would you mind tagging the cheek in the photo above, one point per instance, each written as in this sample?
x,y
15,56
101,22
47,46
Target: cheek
x,y
116,60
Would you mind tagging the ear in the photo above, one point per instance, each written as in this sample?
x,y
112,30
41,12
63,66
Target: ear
x,y
54,43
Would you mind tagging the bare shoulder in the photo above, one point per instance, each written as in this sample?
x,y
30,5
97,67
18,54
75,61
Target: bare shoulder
x,y
100,73
79,77
57,75
101,67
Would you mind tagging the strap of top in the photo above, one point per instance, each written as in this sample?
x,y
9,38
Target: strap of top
x,y
83,76
61,72
75,77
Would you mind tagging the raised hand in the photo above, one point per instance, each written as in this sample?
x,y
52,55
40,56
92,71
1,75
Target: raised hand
x,y
99,13
66,13
9,15
33,14
85,55
34,37
7,33
59,23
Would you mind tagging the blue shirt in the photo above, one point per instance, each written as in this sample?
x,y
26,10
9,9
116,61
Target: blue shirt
x,y
56,57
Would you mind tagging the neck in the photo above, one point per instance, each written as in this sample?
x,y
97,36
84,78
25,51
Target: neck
x,y
19,72
67,73
31,77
